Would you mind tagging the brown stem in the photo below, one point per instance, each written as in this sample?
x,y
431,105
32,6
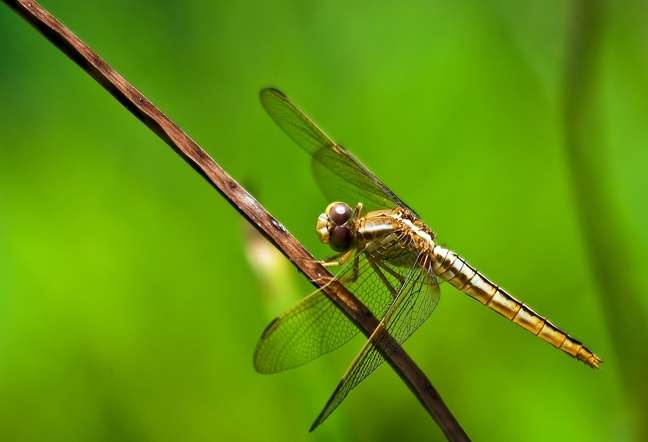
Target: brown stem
x,y
608,246
242,201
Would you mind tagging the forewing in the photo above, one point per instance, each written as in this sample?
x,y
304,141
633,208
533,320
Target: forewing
x,y
315,326
296,124
416,300
340,175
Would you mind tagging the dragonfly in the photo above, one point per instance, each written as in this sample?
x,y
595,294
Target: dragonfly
x,y
386,256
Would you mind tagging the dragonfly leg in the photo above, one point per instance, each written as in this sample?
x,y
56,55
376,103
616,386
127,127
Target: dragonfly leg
x,y
336,260
391,271
376,266
358,210
356,270
340,259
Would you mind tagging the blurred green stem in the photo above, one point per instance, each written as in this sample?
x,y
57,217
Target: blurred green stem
x,y
608,244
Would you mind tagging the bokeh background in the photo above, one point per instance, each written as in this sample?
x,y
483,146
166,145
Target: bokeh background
x,y
132,295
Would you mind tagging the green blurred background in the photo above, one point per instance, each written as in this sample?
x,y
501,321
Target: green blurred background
x,y
129,307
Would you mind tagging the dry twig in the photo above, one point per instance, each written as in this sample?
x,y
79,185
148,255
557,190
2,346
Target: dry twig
x,y
242,201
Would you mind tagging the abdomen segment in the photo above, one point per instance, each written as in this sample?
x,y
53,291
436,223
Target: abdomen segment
x,y
455,270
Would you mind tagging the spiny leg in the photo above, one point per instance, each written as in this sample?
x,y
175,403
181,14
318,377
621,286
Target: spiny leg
x,y
382,277
383,265
357,211
339,260
336,260
356,270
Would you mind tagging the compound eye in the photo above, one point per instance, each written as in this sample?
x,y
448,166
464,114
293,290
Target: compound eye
x,y
341,239
339,213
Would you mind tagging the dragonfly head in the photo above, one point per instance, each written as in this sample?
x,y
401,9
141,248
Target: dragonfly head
x,y
335,226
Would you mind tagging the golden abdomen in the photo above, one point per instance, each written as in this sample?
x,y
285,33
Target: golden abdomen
x,y
455,270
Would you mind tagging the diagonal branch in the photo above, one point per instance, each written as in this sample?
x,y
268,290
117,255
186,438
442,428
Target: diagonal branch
x,y
242,201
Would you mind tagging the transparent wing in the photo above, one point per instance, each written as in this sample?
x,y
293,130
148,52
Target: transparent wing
x,y
315,326
416,300
340,176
